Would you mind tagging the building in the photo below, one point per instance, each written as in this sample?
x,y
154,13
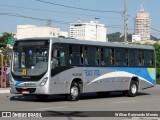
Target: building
x,y
30,31
136,38
142,25
88,31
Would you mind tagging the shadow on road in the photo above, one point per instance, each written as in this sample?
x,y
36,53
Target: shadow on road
x,y
60,98
111,95
32,98
67,114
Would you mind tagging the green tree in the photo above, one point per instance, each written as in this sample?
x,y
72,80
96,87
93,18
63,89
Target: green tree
x,y
114,37
157,48
117,37
4,39
154,38
3,42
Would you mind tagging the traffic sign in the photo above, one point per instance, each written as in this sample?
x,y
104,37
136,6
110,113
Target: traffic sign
x,y
11,40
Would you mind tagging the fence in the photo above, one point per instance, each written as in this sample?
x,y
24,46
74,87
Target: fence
x,y
3,83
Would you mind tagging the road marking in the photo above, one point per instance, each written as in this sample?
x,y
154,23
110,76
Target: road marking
x,y
50,108
124,101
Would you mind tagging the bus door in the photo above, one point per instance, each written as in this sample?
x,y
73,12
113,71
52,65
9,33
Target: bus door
x,y
58,64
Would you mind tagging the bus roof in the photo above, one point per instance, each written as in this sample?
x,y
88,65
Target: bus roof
x,y
108,44
89,42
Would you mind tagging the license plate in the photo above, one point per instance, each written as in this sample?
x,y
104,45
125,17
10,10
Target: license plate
x,y
25,92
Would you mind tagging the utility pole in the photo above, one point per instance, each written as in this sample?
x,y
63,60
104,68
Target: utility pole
x,y
96,21
125,21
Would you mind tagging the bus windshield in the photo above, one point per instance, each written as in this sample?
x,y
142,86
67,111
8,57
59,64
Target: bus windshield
x,y
33,59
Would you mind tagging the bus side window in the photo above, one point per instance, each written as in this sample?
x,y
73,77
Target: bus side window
x,y
55,59
118,59
74,53
131,57
107,56
62,57
91,55
59,58
148,58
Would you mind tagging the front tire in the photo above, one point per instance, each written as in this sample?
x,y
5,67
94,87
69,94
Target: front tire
x,y
132,92
74,92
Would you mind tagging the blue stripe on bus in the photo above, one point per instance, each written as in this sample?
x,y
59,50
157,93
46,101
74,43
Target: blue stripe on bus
x,y
148,74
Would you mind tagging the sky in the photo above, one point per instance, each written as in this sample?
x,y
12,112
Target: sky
x,y
64,12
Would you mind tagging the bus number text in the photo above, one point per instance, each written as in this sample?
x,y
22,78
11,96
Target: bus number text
x,y
92,72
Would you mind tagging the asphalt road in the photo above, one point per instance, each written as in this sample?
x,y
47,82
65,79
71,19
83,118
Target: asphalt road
x,y
146,100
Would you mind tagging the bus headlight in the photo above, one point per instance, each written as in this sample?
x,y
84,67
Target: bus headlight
x,y
44,81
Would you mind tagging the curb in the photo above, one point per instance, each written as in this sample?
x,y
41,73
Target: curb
x,y
4,90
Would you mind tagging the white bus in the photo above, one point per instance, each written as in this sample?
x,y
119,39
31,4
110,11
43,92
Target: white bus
x,y
49,66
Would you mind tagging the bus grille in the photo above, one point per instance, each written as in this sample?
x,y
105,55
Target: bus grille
x,y
31,90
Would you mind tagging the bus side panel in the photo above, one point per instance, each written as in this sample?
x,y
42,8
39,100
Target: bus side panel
x,y
104,79
96,79
60,83
148,78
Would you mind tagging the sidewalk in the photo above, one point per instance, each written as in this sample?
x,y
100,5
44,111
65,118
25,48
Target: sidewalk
x,y
4,90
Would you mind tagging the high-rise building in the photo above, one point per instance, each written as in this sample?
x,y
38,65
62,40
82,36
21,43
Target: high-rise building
x,y
142,25
88,31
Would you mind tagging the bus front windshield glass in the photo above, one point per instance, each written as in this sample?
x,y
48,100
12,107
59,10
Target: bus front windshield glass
x,y
30,61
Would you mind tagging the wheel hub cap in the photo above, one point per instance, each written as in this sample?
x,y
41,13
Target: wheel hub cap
x,y
74,91
134,89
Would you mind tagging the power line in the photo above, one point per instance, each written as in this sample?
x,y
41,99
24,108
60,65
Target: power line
x,y
34,18
51,11
71,7
54,21
61,22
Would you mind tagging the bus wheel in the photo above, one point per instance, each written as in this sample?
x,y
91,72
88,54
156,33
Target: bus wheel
x,y
74,92
42,97
133,89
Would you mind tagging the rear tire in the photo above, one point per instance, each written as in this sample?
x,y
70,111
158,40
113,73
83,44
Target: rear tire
x,y
74,92
132,92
